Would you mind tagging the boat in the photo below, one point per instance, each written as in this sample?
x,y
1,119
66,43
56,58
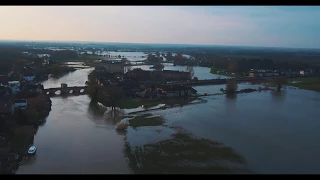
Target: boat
x,y
32,150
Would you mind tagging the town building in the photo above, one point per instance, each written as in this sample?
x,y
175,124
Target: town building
x,y
113,66
29,77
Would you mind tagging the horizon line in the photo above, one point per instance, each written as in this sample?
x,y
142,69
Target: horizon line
x,y
79,41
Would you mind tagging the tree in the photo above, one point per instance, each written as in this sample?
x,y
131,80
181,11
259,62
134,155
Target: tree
x,y
231,86
38,62
112,94
64,55
94,92
233,67
213,70
158,65
179,59
152,58
169,56
280,81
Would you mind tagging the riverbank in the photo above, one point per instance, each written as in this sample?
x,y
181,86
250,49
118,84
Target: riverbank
x,y
134,103
225,74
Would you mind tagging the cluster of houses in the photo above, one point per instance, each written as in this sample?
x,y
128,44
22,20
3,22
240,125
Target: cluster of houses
x,y
142,83
19,93
288,73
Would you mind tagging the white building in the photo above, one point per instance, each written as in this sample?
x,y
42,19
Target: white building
x,y
14,83
15,86
301,73
29,78
20,103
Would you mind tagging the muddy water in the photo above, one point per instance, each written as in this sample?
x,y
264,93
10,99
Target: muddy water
x,y
74,138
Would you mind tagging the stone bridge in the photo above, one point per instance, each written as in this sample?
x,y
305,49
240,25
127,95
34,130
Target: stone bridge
x,y
75,90
214,81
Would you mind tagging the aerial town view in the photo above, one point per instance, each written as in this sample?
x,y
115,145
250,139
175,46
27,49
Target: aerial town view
x,y
107,92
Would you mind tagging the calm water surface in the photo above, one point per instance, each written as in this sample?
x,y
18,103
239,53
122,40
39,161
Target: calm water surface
x,y
273,132
199,72
74,139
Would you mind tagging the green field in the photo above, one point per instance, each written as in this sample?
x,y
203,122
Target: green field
x,y
309,83
145,120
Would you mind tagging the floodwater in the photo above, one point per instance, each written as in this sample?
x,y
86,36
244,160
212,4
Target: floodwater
x,y
274,132
199,72
259,132
132,56
74,139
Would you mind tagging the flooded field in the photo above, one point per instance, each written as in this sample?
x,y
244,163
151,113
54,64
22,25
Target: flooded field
x,y
271,132
131,56
199,72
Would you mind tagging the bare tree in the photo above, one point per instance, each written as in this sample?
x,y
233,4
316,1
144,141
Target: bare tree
x,y
280,81
112,94
158,65
231,86
114,116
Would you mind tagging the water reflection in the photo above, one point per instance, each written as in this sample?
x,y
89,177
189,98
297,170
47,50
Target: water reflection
x,y
231,104
105,115
279,96
96,110
231,97
114,116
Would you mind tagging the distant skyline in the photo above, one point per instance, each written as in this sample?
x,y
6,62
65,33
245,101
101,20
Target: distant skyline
x,y
264,26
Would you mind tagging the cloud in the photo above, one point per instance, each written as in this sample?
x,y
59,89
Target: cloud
x,y
253,26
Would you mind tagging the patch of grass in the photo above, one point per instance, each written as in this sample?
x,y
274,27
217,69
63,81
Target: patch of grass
x,y
309,83
145,120
131,103
186,154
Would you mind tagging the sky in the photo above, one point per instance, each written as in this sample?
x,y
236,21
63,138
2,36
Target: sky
x,y
264,26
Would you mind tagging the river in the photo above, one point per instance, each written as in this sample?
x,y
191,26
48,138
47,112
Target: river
x,y
273,132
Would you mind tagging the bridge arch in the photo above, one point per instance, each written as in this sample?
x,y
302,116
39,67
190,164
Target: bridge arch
x,y
66,90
